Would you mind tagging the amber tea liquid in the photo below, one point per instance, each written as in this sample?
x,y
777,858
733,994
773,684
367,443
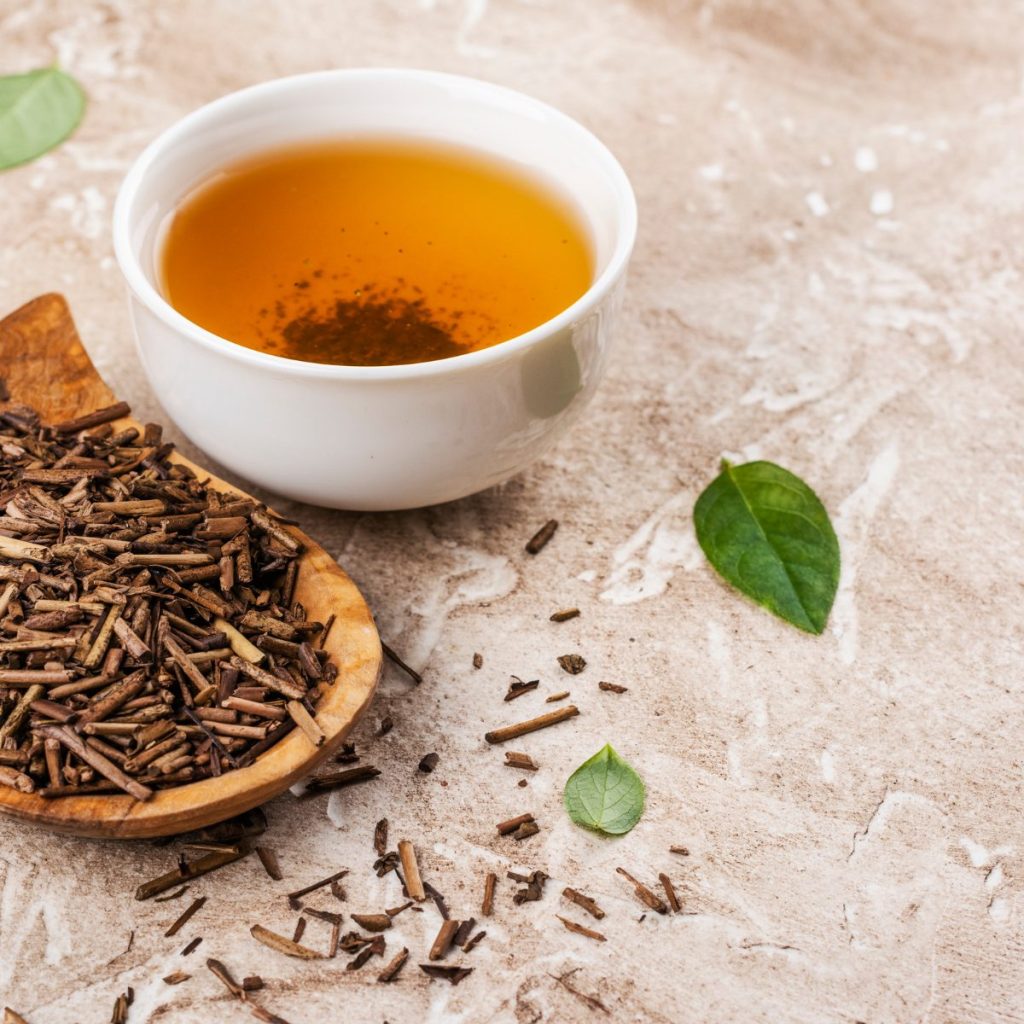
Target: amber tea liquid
x,y
372,253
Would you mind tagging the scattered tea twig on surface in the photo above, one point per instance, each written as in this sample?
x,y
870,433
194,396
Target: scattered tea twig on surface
x,y
591,1002
176,978
121,1006
542,537
438,899
612,687
189,870
280,944
487,906
223,975
185,916
452,974
338,780
241,992
534,886
464,930
644,894
517,760
518,687
506,827
380,837
579,929
192,946
589,905
561,695
347,754
670,892
683,851
411,869
565,615
294,897
263,1014
268,858
410,672
513,732
574,664
443,942
389,862
375,947
478,661
391,971
127,949
428,763
372,922
471,944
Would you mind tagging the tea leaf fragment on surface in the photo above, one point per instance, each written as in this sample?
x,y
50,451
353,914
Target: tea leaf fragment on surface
x,y
37,110
605,794
767,533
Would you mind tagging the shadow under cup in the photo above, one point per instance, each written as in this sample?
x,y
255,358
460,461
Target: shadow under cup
x,y
377,437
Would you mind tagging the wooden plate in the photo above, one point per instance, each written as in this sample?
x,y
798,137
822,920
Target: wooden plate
x,y
45,366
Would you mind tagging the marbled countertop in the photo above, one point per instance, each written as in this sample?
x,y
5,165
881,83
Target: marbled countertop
x,y
828,275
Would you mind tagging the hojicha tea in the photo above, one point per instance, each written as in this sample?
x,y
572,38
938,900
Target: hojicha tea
x,y
372,253
149,635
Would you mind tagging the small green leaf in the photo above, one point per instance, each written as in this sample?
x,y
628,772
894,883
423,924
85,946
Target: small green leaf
x,y
605,794
37,110
768,534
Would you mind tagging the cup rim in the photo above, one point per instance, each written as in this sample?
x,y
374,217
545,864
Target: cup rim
x,y
147,293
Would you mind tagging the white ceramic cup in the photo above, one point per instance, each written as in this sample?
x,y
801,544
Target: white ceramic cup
x,y
377,437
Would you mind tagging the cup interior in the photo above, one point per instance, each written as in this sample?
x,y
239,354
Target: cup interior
x,y
536,140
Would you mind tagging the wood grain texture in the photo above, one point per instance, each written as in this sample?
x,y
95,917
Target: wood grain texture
x,y
39,351
44,364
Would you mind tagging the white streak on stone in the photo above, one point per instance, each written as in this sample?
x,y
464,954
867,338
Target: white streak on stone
x,y
817,204
828,767
865,160
644,564
474,11
474,577
980,856
852,526
807,390
977,853
736,772
881,202
999,910
87,211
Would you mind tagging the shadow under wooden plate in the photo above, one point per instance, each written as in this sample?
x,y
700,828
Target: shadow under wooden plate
x,y
45,366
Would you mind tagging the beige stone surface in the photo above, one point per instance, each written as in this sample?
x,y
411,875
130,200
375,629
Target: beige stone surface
x,y
828,275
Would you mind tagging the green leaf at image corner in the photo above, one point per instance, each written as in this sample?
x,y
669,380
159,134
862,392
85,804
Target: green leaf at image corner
x,y
37,110
767,533
605,794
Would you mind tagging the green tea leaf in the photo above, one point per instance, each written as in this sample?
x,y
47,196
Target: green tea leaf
x,y
37,110
768,534
605,794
